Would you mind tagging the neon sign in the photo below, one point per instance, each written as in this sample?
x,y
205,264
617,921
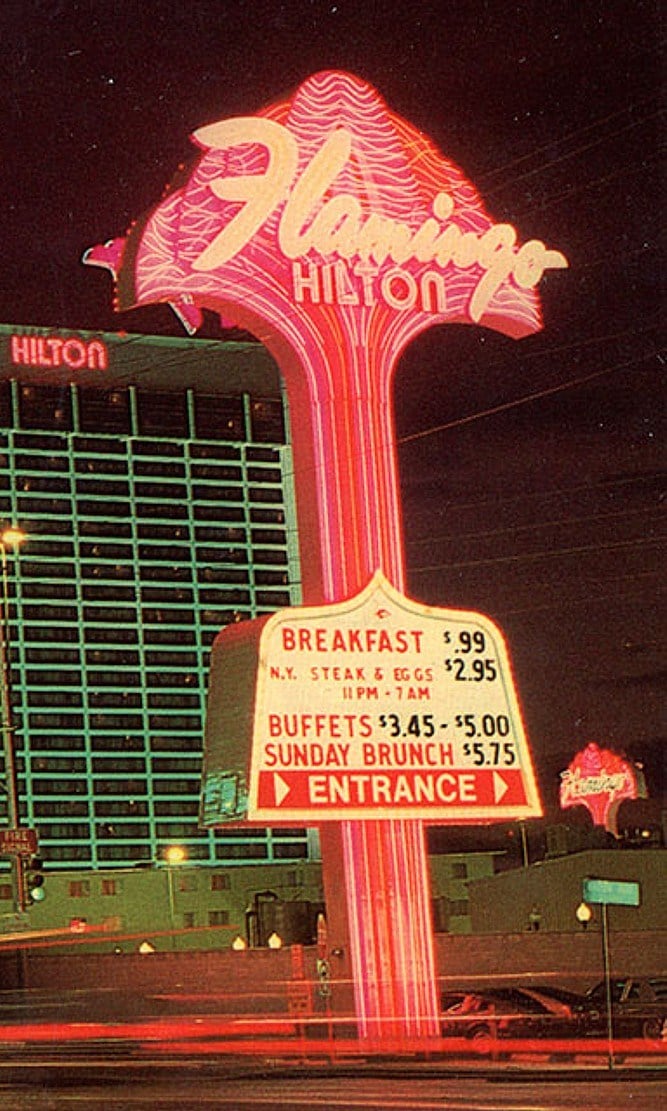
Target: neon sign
x,y
316,218
356,210
336,232
600,780
54,351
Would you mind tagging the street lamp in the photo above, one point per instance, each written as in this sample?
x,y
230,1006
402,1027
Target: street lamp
x,y
10,538
583,914
174,855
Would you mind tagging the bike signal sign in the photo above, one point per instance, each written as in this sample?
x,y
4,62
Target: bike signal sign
x,y
370,708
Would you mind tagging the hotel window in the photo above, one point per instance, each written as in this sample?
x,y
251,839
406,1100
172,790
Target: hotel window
x,y
162,414
104,411
220,882
46,407
266,418
79,889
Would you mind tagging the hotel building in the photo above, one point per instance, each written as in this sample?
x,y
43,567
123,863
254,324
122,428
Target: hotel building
x,y
152,479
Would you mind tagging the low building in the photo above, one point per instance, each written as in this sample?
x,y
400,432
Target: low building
x,y
450,875
185,906
545,896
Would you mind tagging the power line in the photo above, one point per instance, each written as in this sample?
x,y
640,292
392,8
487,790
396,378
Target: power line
x,y
549,553
550,391
581,344
577,151
597,581
588,582
562,604
563,521
556,492
571,135
573,191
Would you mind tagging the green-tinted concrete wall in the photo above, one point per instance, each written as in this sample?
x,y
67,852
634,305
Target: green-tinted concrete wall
x,y
189,907
554,889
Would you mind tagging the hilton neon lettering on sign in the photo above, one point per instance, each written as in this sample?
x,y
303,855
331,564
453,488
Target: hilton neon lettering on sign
x,y
54,351
336,232
313,218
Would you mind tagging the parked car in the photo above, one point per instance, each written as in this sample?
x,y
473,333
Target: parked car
x,y
638,1008
512,1012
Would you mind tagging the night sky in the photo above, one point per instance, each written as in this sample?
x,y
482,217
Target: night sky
x,y
530,470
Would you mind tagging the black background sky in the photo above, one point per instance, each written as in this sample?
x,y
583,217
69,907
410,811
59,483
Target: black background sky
x,y
530,470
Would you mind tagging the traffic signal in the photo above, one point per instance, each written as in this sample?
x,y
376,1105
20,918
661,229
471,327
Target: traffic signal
x,y
34,879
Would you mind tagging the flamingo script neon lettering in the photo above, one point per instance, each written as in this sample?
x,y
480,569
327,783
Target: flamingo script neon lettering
x,y
336,225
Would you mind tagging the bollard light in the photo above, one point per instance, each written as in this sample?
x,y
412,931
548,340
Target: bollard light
x,y
583,914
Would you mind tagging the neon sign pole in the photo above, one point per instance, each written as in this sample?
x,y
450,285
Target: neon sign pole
x,y
335,232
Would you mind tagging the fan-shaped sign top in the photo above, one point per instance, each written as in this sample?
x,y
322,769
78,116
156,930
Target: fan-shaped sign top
x,y
328,207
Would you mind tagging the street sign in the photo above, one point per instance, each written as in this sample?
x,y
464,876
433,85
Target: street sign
x,y
614,892
19,841
373,707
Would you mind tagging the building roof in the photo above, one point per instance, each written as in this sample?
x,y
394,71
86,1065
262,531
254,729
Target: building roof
x,y
150,362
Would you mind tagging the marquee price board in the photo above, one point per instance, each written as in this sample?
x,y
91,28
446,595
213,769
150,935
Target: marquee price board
x,y
374,707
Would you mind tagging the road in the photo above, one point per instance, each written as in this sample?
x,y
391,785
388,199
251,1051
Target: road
x,y
397,1088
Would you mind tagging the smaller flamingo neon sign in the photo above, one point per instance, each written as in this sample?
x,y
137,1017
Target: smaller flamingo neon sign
x,y
600,780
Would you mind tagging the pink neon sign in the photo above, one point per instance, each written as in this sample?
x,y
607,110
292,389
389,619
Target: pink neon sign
x,y
600,780
329,199
336,232
56,351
